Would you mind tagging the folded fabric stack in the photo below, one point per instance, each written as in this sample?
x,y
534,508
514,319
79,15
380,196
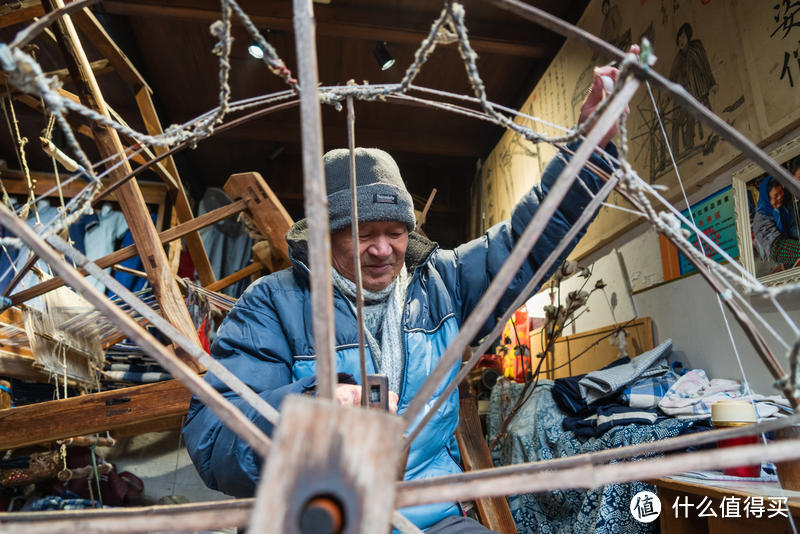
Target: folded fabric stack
x,y
607,417
648,392
642,390
605,382
694,394
126,364
536,434
599,400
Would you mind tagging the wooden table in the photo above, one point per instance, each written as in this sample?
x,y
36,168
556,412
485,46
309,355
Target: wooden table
x,y
724,498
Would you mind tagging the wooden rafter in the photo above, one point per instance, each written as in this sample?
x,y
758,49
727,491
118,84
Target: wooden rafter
x,y
340,21
420,141
20,11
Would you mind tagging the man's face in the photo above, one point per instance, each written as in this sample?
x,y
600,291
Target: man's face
x,y
381,247
776,196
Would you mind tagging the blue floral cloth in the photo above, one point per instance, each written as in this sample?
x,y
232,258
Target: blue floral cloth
x,y
536,434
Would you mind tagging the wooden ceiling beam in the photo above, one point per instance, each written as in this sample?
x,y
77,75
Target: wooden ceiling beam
x,y
374,25
417,141
20,11
92,28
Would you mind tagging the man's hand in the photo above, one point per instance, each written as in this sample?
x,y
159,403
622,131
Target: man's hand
x,y
350,395
602,83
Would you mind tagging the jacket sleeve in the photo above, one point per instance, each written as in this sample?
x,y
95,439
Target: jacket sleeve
x,y
251,344
765,231
470,268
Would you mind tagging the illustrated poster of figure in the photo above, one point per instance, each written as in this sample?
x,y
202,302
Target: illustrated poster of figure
x,y
611,30
691,69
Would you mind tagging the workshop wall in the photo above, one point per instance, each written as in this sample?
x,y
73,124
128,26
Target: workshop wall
x,y
684,309
735,57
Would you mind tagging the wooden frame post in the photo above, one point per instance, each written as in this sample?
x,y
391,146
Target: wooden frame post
x,y
182,210
269,215
131,201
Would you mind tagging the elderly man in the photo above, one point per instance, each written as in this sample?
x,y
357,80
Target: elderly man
x,y
416,296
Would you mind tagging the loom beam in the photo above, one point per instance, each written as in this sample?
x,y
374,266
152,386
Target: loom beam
x,y
177,367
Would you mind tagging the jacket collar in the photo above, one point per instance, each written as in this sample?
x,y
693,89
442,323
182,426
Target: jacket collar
x,y
417,253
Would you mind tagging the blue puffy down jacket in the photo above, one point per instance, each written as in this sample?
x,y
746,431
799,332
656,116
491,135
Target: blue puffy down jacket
x,y
267,340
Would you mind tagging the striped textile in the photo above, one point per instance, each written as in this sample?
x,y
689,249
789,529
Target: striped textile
x,y
598,384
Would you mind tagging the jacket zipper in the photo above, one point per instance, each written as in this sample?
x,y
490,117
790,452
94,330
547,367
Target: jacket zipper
x,y
336,290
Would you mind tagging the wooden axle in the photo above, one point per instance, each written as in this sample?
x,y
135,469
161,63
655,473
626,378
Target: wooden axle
x,y
330,466
322,515
87,441
84,472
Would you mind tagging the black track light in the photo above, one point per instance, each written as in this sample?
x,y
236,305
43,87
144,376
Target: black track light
x,y
385,59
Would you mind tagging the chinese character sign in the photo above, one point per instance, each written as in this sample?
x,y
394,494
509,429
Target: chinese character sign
x,y
645,507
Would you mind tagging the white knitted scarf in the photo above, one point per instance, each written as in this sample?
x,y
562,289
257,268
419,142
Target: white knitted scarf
x,y
383,319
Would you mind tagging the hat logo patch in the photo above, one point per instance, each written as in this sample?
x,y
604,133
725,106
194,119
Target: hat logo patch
x,y
384,198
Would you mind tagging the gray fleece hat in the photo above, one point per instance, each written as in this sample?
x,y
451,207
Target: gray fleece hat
x,y
381,194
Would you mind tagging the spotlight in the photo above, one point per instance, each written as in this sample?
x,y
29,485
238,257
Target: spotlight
x,y
255,50
385,59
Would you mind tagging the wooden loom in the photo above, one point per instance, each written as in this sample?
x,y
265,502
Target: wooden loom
x,y
152,406
250,192
280,501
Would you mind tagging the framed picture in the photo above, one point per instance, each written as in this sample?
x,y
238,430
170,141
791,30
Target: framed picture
x,y
768,219
715,216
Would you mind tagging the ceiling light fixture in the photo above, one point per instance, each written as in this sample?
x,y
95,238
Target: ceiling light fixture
x,y
385,59
255,49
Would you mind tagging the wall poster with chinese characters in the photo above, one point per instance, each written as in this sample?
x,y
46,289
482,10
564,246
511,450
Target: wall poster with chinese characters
x,y
739,58
716,217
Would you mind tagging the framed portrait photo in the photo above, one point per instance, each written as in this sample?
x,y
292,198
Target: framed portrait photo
x,y
768,219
